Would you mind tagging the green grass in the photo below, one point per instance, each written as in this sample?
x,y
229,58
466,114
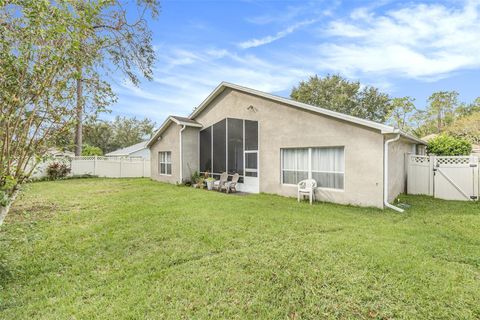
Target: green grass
x,y
137,249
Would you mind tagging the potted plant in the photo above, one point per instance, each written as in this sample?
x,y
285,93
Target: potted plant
x,y
210,182
195,180
200,182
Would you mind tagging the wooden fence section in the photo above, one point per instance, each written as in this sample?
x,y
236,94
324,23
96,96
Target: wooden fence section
x,y
111,167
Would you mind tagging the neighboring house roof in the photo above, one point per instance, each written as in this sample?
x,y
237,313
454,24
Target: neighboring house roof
x,y
429,137
59,153
128,150
175,119
384,129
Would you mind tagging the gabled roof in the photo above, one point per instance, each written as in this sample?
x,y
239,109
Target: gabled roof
x,y
175,119
384,129
186,121
128,150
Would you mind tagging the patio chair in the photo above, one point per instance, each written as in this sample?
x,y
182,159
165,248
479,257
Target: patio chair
x,y
231,185
307,188
219,184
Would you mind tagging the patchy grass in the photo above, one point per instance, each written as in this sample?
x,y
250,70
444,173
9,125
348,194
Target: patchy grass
x,y
137,249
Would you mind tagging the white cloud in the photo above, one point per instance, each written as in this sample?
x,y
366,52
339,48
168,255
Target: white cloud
x,y
286,15
417,41
252,43
180,87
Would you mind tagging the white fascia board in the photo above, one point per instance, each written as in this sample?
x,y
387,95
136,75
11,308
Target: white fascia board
x,y
165,125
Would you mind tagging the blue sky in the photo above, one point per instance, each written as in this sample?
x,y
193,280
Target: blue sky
x,y
404,48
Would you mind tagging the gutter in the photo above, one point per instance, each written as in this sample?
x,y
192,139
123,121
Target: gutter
x,y
385,174
181,153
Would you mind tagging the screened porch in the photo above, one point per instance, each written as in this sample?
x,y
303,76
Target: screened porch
x,y
231,145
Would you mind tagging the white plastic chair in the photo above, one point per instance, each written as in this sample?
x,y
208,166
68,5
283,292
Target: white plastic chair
x,y
307,188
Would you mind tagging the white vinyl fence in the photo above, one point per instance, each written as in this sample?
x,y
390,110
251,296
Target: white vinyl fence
x,y
111,167
41,168
450,178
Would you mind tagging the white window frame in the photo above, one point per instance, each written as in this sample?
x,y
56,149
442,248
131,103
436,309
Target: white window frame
x,y
160,162
310,167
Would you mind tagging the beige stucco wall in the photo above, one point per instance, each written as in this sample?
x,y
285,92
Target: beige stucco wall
x,y
190,149
282,126
397,173
169,141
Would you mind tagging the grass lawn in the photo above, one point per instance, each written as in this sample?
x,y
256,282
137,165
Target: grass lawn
x,y
137,249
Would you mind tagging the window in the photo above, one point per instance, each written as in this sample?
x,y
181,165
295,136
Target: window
x,y
165,163
324,165
328,167
295,165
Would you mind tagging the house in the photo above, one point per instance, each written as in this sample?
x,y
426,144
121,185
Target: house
x,y
57,153
136,150
274,143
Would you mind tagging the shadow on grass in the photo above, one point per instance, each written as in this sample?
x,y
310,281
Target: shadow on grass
x,y
6,274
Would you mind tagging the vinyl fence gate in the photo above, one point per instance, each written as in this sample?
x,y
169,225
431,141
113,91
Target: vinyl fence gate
x,y
450,178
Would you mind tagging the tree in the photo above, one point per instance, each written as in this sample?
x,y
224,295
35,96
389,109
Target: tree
x,y
467,127
39,49
115,38
99,133
372,105
402,115
89,150
336,93
119,133
468,109
128,131
441,108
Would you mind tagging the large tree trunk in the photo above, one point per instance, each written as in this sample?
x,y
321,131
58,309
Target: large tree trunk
x,y
4,210
79,126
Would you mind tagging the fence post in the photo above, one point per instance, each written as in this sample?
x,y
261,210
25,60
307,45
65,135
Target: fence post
x,y
143,175
95,165
431,177
406,166
121,167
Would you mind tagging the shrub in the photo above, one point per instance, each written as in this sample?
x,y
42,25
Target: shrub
x,y
88,150
445,145
57,170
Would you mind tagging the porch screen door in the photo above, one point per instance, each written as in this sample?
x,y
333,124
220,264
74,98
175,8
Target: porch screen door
x,y
251,183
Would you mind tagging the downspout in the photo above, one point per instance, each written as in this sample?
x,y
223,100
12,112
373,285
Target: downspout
x,y
385,174
181,154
